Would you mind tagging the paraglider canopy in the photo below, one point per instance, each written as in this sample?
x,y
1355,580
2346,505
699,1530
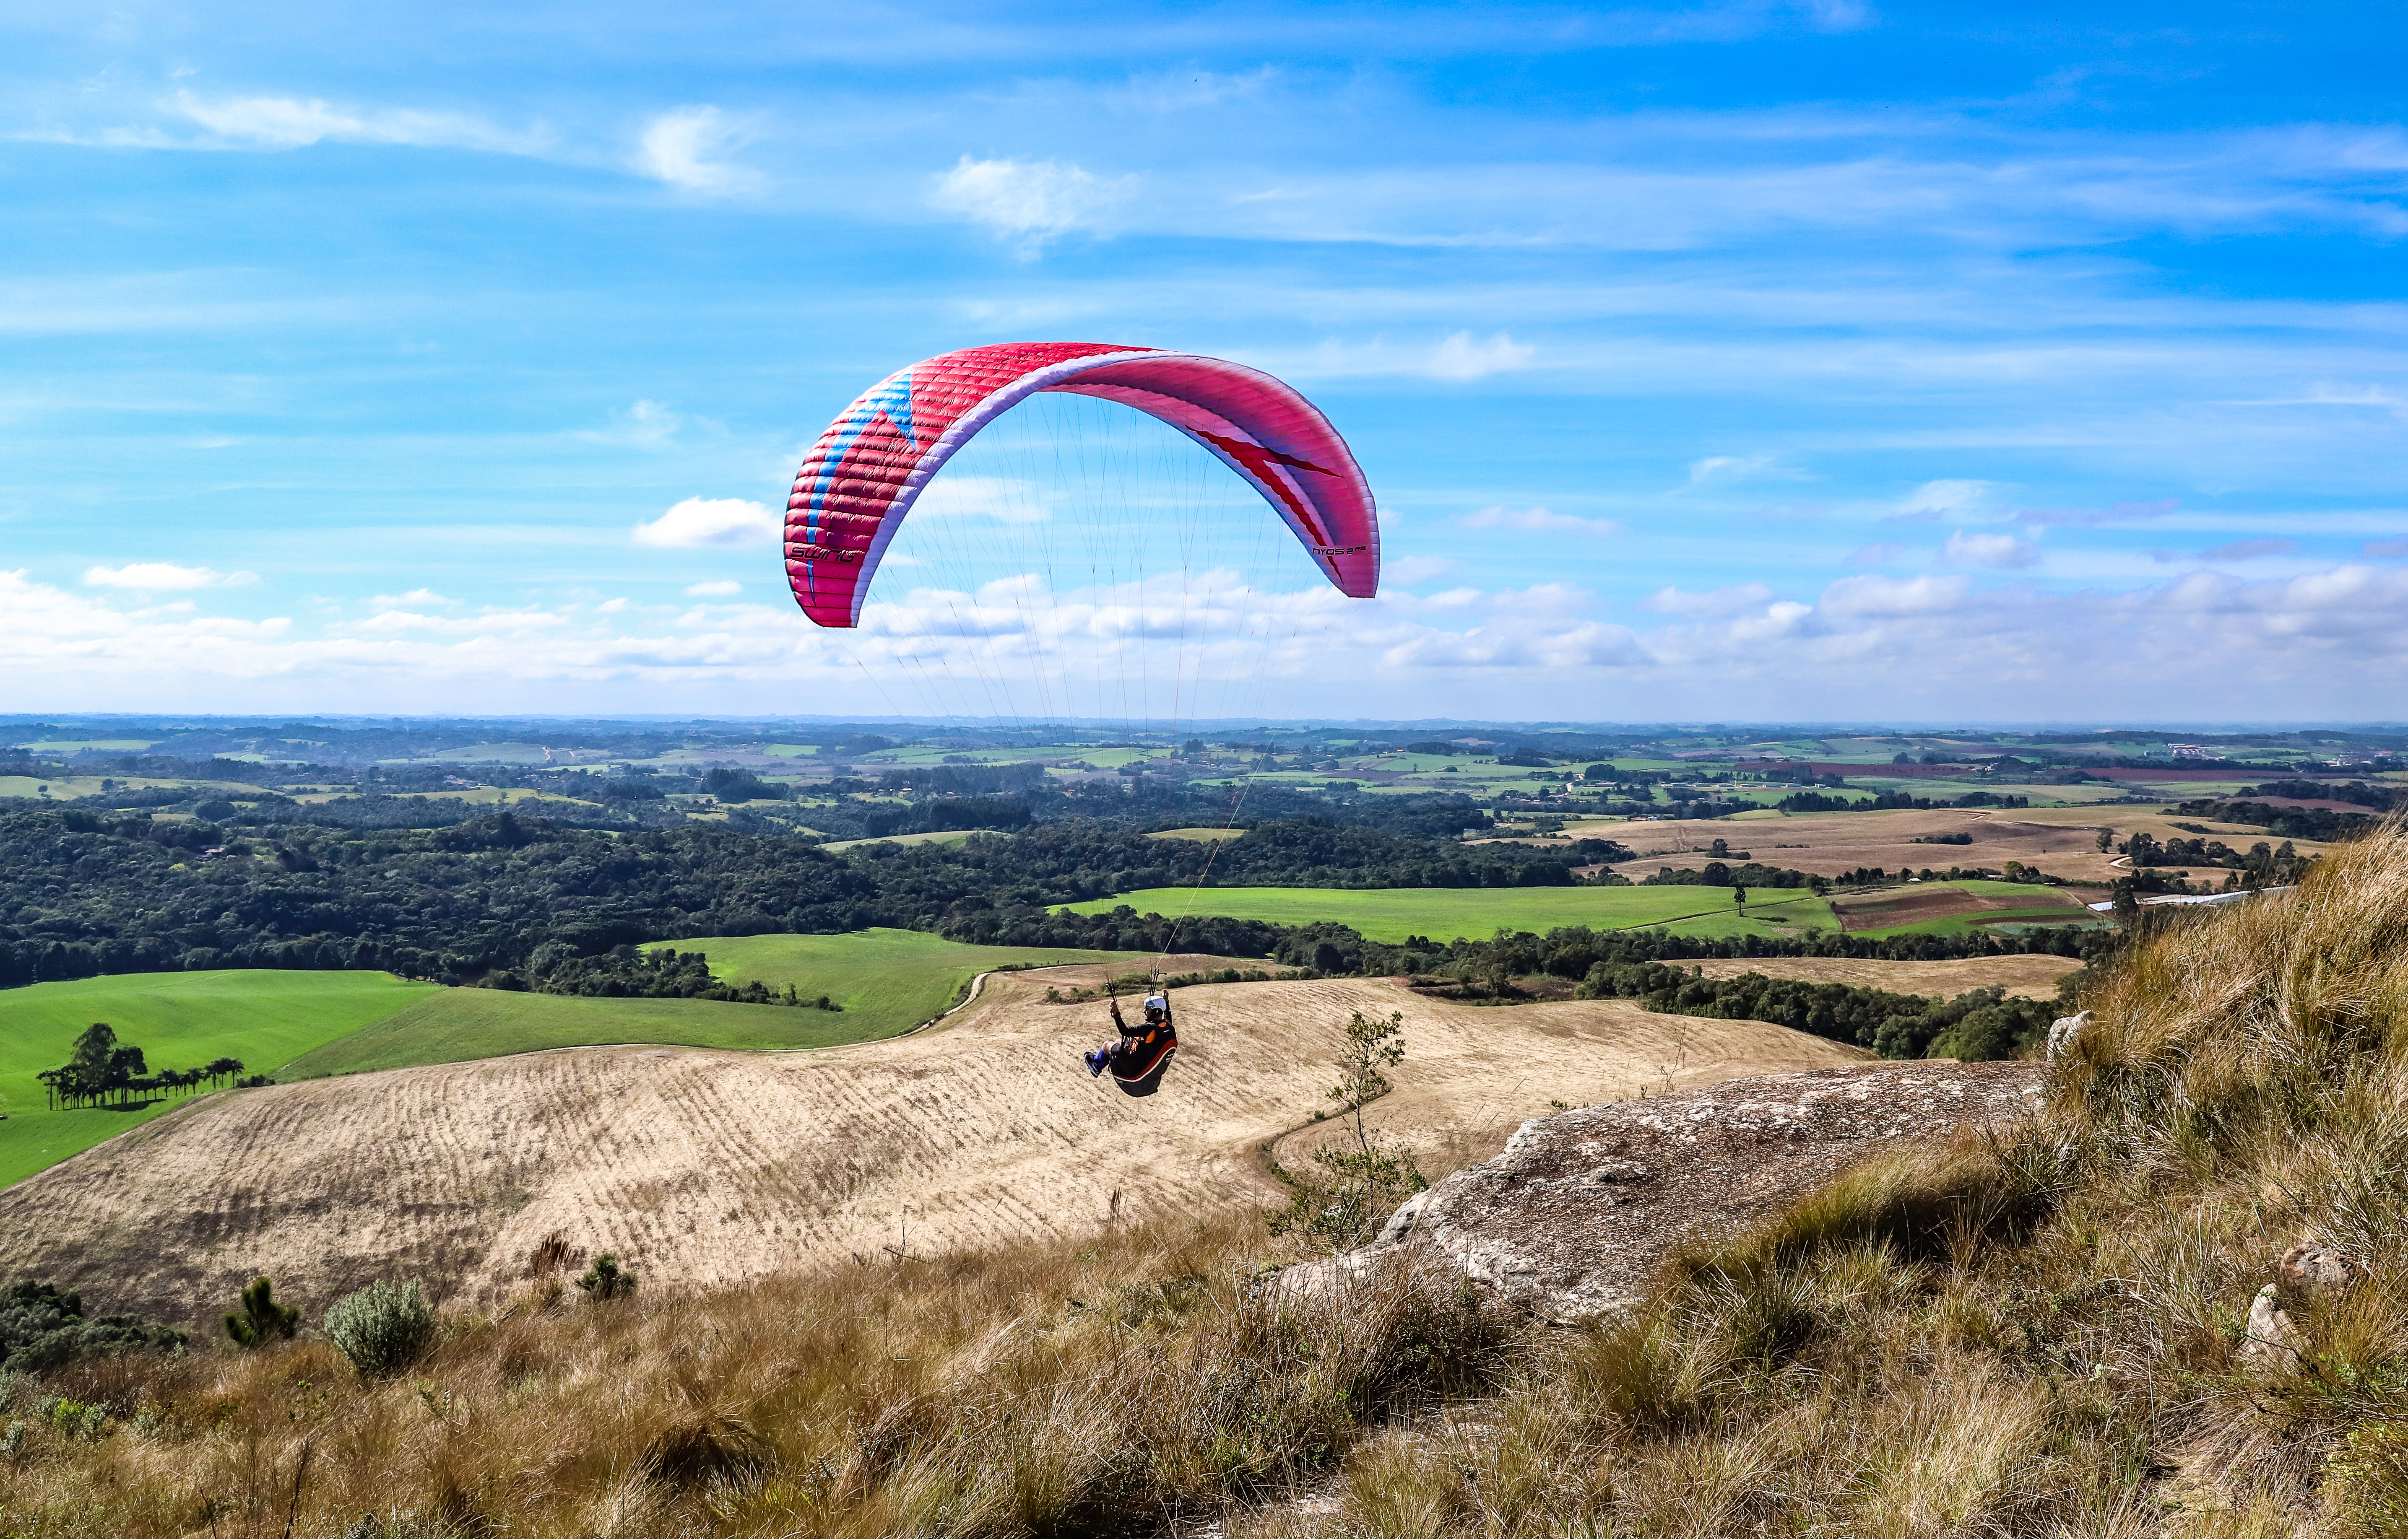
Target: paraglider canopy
x,y
863,475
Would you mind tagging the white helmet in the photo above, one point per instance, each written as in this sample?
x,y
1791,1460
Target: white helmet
x,y
1158,1001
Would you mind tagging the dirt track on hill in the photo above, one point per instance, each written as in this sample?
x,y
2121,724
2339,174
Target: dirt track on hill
x,y
700,1166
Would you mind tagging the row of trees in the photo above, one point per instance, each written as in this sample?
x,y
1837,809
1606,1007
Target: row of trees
x,y
104,1071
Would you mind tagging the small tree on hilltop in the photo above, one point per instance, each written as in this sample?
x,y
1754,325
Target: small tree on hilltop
x,y
1344,1201
262,1319
604,1281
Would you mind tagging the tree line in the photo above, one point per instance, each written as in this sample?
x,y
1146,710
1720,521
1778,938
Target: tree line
x,y
101,1071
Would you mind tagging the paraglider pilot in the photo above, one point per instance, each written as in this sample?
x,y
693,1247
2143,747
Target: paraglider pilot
x,y
1142,1051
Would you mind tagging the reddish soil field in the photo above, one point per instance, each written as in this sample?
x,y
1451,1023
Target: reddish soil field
x,y
1912,907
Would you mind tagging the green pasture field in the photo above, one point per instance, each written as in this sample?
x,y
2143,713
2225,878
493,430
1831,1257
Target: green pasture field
x,y
2048,905
1448,912
487,753
888,981
1201,833
64,785
478,796
180,1021
948,836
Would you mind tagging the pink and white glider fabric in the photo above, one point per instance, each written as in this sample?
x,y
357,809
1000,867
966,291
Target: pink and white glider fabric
x,y
869,467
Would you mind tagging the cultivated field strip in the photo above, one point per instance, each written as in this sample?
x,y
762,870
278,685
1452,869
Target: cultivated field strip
x,y
702,1166
2026,976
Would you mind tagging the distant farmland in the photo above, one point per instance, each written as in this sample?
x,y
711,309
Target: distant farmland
x,y
1447,913
887,981
180,1021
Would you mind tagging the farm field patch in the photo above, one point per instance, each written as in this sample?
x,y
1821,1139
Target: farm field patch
x,y
461,1025
1445,913
698,1167
949,837
265,1017
887,981
1832,844
1951,908
1206,835
2025,976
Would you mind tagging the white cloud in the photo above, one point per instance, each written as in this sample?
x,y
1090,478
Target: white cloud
x,y
417,598
1461,358
1871,598
1936,500
1870,646
647,424
1002,498
1418,568
687,148
713,520
1028,202
159,577
714,589
1879,553
1734,467
1998,550
2393,548
287,122
1538,520
1721,601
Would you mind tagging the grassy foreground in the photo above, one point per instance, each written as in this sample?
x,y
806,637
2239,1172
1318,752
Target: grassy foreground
x,y
1451,913
2045,1332
888,981
266,1018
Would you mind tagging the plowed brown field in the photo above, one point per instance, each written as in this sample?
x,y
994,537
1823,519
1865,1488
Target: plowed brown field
x,y
700,1166
2061,841
2028,976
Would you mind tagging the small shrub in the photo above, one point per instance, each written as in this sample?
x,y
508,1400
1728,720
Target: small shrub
x,y
262,1319
603,1280
383,1328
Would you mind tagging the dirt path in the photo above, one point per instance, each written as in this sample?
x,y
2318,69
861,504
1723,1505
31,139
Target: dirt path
x,y
706,1166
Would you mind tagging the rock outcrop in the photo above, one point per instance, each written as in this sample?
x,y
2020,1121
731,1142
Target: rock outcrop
x,y
1578,1214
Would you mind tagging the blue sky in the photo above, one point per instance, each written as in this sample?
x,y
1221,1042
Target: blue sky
x,y
1744,360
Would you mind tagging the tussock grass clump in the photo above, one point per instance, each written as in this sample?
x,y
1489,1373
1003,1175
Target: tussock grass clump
x,y
1033,1391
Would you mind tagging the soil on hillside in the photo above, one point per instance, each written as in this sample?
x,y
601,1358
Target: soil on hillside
x,y
704,1166
1883,910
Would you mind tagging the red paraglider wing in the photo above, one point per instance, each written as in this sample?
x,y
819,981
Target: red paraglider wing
x,y
868,467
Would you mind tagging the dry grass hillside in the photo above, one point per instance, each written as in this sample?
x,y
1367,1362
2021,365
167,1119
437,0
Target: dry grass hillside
x,y
2172,1302
700,1167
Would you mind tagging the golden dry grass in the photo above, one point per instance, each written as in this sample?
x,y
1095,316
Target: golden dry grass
x,y
701,1167
2038,1333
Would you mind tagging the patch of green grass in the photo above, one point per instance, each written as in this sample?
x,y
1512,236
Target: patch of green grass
x,y
180,1021
894,979
1203,835
1447,913
2032,905
888,981
949,837
458,1025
